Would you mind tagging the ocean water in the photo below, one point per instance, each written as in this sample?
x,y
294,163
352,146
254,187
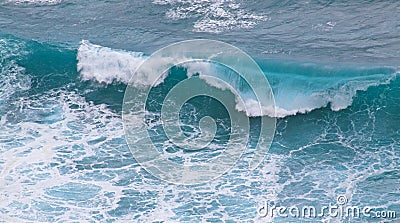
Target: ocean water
x,y
333,67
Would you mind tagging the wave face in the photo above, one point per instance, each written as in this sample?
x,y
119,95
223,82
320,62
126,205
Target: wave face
x,y
62,144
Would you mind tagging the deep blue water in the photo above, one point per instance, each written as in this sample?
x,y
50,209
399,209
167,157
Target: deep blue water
x,y
64,66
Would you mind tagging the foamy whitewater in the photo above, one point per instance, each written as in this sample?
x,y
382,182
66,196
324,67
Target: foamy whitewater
x,y
64,67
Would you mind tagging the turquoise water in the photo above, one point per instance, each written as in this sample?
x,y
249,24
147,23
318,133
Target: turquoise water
x,y
64,67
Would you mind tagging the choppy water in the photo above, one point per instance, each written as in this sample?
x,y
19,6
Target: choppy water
x,y
64,66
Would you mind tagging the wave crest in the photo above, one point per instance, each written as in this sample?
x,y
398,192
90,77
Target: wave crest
x,y
295,93
106,65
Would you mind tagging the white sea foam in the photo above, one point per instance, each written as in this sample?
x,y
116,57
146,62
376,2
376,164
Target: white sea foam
x,y
12,76
32,156
78,159
36,2
213,16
